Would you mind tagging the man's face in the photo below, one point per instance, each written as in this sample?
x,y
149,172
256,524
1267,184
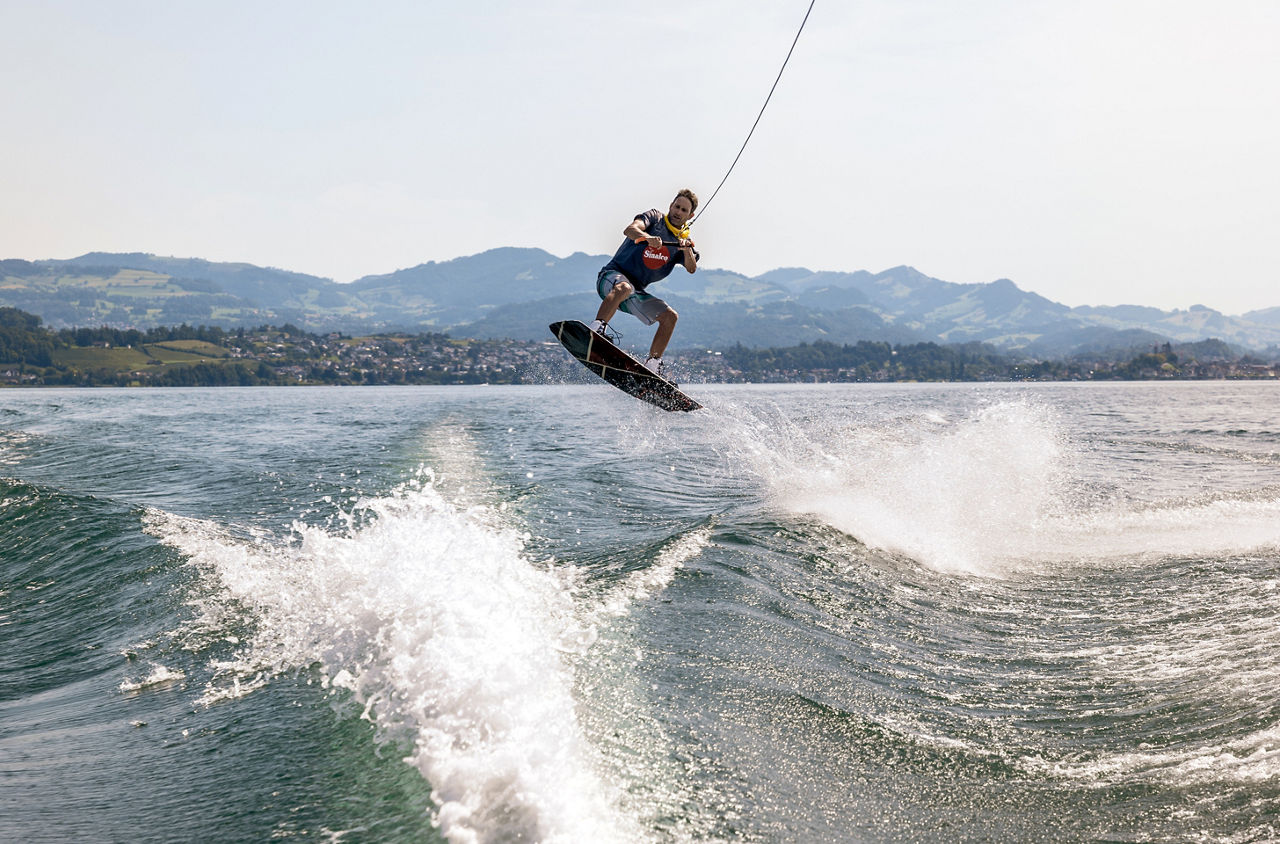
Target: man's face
x,y
680,211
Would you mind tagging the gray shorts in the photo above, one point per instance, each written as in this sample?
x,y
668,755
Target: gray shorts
x,y
642,306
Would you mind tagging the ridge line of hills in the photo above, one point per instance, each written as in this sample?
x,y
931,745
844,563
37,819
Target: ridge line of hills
x,y
514,292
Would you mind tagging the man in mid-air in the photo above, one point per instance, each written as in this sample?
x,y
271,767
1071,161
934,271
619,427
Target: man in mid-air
x,y
655,243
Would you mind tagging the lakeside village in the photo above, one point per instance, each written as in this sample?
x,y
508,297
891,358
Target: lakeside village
x,y
31,355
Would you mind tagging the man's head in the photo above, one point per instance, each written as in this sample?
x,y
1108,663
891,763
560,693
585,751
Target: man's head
x,y
682,207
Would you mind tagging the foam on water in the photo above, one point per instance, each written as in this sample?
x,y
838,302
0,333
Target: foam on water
x,y
1253,758
990,493
435,622
160,676
1229,524
649,581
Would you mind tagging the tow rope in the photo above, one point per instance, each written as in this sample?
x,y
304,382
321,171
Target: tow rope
x,y
761,114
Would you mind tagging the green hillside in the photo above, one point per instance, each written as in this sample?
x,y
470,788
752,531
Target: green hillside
x,y
514,292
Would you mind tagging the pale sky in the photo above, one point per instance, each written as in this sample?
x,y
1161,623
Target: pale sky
x,y
1093,151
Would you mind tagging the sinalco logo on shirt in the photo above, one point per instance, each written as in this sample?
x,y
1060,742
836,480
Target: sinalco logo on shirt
x,y
655,259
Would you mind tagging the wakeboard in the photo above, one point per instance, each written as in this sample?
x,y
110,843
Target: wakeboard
x,y
619,368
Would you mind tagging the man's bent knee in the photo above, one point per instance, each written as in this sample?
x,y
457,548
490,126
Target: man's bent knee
x,y
668,317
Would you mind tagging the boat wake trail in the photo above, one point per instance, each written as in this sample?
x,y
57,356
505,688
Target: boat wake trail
x,y
994,492
433,621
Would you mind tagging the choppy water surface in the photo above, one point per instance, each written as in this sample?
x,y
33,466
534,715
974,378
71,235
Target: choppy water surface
x,y
854,613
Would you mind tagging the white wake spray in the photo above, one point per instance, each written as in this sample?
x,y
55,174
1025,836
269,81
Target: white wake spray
x,y
991,493
437,624
955,496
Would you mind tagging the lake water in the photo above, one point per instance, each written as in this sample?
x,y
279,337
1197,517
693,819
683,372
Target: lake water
x,y
805,613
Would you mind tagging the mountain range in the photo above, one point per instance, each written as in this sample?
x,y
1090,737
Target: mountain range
x,y
515,292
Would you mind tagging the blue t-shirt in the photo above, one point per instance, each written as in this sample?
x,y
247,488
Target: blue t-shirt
x,y
640,262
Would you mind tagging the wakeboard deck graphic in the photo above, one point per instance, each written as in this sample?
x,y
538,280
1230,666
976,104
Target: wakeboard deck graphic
x,y
618,368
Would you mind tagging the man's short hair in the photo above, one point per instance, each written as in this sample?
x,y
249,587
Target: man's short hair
x,y
689,195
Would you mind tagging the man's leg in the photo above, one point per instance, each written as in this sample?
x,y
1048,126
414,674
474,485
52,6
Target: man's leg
x,y
666,325
616,297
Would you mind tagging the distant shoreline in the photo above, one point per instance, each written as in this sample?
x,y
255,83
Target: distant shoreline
x,y
186,356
